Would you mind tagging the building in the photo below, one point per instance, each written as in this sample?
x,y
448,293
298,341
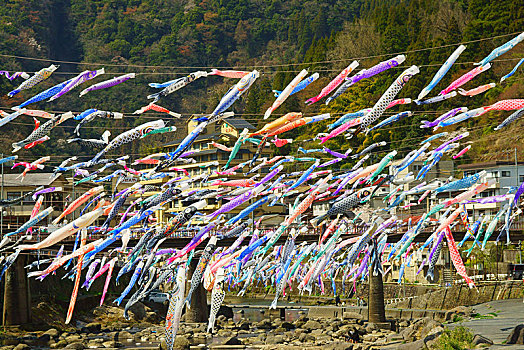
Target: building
x,y
210,159
505,173
11,188
441,172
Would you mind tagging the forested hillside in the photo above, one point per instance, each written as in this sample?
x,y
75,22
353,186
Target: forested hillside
x,y
164,39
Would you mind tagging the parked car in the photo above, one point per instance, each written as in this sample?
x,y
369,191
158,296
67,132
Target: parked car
x,y
157,297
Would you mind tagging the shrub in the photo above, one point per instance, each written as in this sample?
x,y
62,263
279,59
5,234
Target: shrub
x,y
455,339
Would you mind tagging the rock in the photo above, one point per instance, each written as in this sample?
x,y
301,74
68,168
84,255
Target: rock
x,y
311,325
517,335
224,333
29,339
181,343
310,338
264,324
342,346
151,317
481,340
59,344
299,322
44,338
462,310
304,337
232,341
370,327
139,311
403,324
431,338
317,332
75,346
369,338
52,332
393,337
244,325
92,328
408,334
93,345
99,311
416,345
22,347
323,339
352,315
429,328
287,325
123,335
361,347
112,344
73,338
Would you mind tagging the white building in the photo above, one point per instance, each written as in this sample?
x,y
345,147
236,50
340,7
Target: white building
x,y
506,174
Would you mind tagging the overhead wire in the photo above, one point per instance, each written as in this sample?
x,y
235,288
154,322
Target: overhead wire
x,y
284,71
259,65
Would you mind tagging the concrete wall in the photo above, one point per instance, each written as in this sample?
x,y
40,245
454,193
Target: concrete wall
x,y
461,295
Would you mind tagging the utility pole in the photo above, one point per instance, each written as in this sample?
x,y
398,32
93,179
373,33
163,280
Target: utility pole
x,y
516,169
73,184
2,197
520,252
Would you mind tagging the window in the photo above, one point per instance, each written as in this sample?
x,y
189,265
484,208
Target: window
x,y
506,173
224,156
28,199
521,178
12,195
204,158
214,156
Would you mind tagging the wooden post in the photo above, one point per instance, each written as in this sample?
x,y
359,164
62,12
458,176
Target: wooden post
x,y
17,299
198,311
376,308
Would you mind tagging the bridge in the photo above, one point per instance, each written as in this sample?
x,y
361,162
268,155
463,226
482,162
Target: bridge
x,y
184,237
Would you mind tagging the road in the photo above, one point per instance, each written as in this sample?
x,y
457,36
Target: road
x,y
509,313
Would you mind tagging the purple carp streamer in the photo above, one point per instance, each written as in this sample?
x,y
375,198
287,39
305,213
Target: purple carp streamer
x,y
365,205
15,75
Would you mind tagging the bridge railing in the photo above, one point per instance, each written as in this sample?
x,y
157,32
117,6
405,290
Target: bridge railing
x,y
354,230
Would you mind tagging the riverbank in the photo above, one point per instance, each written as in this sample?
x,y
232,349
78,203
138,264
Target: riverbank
x,y
298,322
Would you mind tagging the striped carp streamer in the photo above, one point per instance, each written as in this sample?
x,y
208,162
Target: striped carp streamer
x,y
308,217
38,77
388,96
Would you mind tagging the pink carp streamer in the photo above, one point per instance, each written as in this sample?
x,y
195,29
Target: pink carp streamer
x,y
456,259
234,74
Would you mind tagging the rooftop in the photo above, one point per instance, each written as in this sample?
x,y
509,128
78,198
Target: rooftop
x,y
485,165
239,124
31,179
212,136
